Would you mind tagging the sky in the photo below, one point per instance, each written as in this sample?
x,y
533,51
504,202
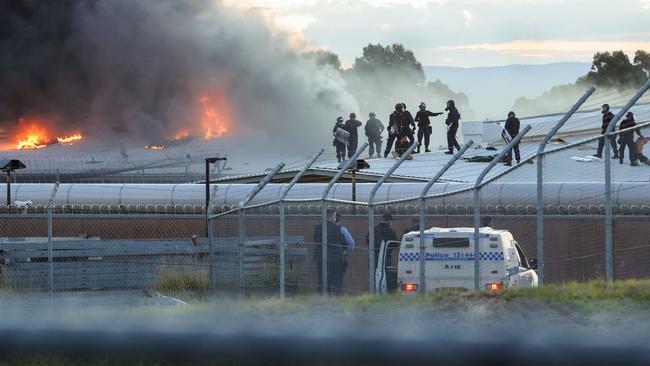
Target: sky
x,y
466,33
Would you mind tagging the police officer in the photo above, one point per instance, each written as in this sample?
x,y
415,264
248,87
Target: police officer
x,y
373,129
627,138
406,125
340,146
511,129
607,117
424,126
351,126
385,233
393,127
335,253
453,118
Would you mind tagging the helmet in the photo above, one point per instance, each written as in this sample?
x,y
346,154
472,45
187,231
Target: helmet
x,y
511,114
604,108
353,115
399,106
423,105
629,115
450,105
371,114
339,119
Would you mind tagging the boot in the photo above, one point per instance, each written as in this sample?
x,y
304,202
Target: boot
x,y
507,163
427,150
620,161
449,152
634,163
615,157
597,156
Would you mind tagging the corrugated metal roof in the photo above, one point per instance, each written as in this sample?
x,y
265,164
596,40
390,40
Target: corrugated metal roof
x,y
559,166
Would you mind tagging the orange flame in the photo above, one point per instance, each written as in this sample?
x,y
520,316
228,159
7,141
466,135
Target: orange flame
x,y
31,136
155,147
69,140
214,123
180,135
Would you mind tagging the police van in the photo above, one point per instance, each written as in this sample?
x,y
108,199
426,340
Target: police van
x,y
449,261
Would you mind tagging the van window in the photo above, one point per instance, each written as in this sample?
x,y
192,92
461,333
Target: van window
x,y
522,257
451,242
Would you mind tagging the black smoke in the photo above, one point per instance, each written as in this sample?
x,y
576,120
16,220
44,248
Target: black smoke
x,y
137,68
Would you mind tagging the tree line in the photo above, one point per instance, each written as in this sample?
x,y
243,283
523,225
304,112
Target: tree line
x,y
609,71
385,75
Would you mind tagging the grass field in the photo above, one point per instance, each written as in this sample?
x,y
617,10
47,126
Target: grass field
x,y
618,311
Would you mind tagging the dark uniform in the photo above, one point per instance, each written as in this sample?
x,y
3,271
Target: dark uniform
x,y
512,129
335,256
340,146
374,128
424,127
627,138
607,118
406,126
351,126
384,233
453,118
392,131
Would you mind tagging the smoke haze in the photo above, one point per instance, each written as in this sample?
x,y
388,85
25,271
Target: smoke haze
x,y
137,69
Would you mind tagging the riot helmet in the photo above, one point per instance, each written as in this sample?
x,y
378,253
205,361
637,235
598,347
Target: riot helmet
x,y
450,104
604,108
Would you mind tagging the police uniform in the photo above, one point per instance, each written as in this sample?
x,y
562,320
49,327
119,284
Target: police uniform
x,y
340,146
607,118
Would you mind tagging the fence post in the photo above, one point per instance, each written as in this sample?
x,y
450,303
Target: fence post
x,y
425,191
347,164
50,254
477,202
609,221
242,224
283,195
539,212
371,216
211,257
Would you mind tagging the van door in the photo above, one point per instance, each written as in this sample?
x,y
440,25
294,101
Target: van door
x,y
526,276
450,261
386,271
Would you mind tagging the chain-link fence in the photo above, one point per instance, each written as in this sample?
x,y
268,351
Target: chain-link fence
x,y
552,196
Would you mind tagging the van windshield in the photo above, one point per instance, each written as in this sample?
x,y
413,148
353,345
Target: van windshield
x,y
451,242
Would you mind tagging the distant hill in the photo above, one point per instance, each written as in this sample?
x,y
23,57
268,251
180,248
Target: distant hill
x,y
492,91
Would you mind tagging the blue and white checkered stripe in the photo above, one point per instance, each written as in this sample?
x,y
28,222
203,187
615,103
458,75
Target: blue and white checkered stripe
x,y
491,256
430,257
409,257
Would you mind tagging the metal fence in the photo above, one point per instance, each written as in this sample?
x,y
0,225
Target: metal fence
x,y
275,248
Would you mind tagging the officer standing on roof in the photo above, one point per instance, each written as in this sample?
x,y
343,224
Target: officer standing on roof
x,y
607,118
453,118
393,120
374,128
406,125
511,129
627,138
339,145
351,126
424,126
